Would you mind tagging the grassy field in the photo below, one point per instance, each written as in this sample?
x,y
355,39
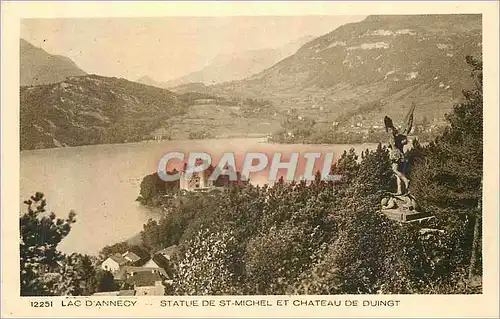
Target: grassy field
x,y
219,121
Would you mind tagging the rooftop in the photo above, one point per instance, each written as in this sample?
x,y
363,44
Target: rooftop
x,y
118,259
126,271
144,279
126,293
131,256
168,252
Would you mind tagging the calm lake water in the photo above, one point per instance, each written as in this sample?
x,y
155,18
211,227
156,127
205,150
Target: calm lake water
x,y
101,182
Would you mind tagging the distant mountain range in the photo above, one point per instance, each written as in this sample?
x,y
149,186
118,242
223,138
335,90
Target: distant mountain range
x,y
353,75
377,66
39,67
237,66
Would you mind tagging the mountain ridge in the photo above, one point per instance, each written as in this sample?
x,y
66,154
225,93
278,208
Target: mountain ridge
x,y
39,67
347,79
92,109
385,61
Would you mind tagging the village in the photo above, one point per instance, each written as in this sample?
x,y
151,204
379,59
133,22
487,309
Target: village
x,y
136,275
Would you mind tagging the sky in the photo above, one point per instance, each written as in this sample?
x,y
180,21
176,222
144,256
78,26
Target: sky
x,y
167,48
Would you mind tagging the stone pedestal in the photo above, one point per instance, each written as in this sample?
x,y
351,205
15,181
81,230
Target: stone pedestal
x,y
403,208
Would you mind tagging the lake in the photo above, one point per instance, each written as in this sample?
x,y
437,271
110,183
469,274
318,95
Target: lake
x,y
101,182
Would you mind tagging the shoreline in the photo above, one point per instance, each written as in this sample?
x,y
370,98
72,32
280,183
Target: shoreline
x,y
260,140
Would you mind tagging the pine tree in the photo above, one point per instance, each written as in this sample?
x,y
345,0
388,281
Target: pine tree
x,y
447,177
40,233
450,173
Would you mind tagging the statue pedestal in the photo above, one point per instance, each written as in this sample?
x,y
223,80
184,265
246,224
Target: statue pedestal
x,y
405,215
403,208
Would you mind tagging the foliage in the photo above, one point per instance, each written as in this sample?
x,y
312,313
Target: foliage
x,y
188,211
77,276
45,271
256,108
40,233
450,173
200,135
105,281
152,186
204,269
319,237
330,238
447,174
116,111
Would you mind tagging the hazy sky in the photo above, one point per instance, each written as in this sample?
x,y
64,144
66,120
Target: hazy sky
x,y
166,48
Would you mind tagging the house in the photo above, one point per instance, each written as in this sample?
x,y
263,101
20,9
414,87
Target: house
x,y
169,252
200,181
163,259
136,258
114,262
126,272
197,180
152,263
147,283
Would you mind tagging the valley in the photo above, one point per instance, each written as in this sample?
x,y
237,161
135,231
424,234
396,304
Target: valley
x,y
344,81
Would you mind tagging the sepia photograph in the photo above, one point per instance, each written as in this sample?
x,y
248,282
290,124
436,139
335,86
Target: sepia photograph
x,y
250,155
397,99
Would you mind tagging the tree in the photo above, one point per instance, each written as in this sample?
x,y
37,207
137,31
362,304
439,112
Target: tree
x,y
274,260
347,166
152,187
105,281
373,179
40,233
77,276
447,179
450,174
204,268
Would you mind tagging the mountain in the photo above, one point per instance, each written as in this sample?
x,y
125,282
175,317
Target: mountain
x,y
236,66
93,109
377,66
39,67
148,81
193,87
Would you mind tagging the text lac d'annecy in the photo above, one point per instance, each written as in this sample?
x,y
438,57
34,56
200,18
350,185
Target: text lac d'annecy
x,y
98,303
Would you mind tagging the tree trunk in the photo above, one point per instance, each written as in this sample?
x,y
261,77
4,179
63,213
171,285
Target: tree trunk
x,y
475,244
475,241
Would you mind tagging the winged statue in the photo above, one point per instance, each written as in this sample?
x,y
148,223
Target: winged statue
x,y
396,145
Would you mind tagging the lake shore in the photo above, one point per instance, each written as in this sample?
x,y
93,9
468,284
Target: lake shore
x,y
101,182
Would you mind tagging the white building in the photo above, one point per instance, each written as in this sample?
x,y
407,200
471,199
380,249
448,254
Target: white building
x,y
114,262
196,180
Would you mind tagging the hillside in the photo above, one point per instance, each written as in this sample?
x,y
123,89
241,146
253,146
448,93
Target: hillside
x,y
362,71
236,66
39,67
93,110
352,77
